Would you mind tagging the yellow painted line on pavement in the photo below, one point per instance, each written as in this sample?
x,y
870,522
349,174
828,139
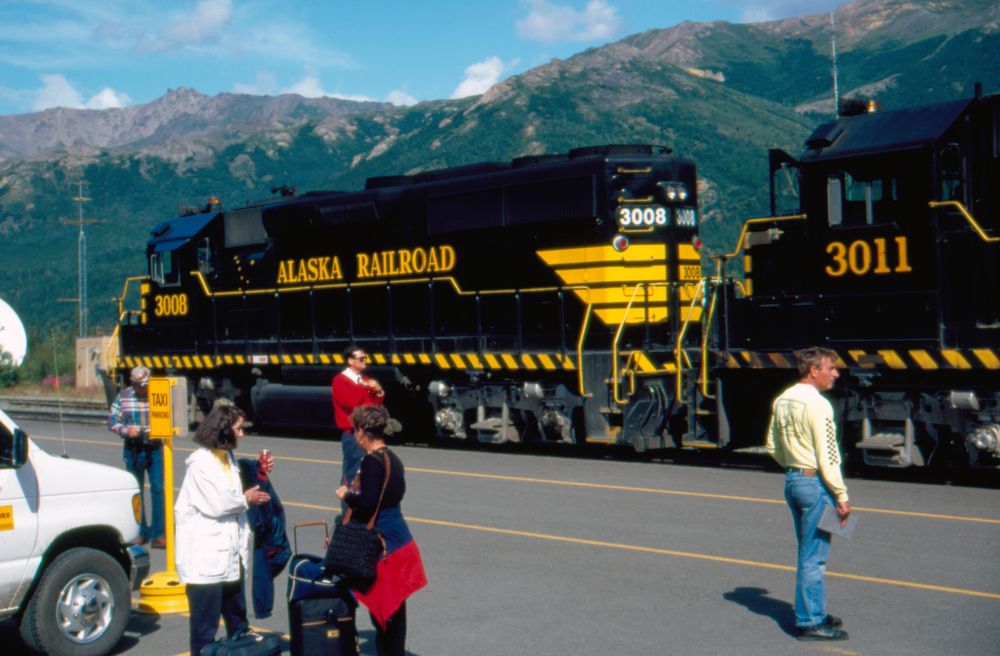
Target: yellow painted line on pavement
x,y
833,650
581,484
684,493
670,552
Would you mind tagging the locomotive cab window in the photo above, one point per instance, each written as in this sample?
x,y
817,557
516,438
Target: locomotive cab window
x,y
205,257
854,200
952,173
163,268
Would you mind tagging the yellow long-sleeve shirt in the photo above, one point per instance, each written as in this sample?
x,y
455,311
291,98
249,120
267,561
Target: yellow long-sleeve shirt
x,y
803,434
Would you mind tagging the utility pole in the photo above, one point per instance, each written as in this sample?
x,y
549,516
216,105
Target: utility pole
x,y
81,255
833,48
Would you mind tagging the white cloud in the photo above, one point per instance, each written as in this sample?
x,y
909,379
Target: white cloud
x,y
759,11
400,97
310,87
479,77
205,23
56,91
265,84
549,23
108,98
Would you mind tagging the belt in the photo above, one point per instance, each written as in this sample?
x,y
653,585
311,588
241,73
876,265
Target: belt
x,y
803,471
150,445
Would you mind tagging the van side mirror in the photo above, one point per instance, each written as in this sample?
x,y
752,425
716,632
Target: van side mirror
x,y
13,448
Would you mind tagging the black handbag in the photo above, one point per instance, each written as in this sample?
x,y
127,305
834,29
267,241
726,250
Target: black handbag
x,y
356,548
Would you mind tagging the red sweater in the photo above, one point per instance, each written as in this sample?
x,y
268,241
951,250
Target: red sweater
x,y
348,395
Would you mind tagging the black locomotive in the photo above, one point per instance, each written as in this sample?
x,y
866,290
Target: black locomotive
x,y
890,254
561,297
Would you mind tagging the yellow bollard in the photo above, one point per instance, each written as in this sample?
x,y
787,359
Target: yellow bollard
x,y
162,592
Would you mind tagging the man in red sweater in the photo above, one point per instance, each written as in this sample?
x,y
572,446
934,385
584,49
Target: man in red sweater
x,y
352,388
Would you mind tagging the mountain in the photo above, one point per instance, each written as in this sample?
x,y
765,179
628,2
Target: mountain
x,y
718,93
182,115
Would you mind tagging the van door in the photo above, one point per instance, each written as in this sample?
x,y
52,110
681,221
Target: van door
x,y
18,521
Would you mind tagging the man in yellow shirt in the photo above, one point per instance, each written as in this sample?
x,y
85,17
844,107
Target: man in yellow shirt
x,y
802,438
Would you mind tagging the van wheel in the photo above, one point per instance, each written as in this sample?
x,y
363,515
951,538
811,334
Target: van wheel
x,y
81,605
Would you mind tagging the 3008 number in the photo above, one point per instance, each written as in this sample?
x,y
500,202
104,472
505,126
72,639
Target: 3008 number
x,y
642,216
861,257
171,305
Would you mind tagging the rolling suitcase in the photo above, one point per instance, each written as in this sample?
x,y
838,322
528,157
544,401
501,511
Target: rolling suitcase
x,y
248,644
320,608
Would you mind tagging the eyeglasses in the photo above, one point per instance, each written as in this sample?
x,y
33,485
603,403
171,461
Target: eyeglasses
x,y
362,357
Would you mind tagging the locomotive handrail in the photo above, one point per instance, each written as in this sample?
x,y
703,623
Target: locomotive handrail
x,y
679,351
121,299
934,204
749,222
705,334
106,352
375,283
614,347
579,348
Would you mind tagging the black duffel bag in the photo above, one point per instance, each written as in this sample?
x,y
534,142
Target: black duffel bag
x,y
245,644
356,548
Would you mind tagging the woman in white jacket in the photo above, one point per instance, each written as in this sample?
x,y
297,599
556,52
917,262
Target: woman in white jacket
x,y
213,537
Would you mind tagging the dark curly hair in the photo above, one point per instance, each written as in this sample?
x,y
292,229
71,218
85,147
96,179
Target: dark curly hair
x,y
372,419
216,431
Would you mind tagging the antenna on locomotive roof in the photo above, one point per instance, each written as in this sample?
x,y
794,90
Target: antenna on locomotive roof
x,y
833,51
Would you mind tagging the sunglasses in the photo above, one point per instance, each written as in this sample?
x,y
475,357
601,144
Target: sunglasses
x,y
363,358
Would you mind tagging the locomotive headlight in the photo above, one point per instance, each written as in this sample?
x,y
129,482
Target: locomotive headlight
x,y
439,388
534,390
674,191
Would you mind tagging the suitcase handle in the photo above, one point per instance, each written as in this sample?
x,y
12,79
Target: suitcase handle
x,y
315,522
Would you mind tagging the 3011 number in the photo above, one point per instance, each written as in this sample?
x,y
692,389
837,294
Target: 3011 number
x,y
862,257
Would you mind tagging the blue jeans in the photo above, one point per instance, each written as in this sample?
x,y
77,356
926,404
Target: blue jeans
x,y
353,454
141,461
807,497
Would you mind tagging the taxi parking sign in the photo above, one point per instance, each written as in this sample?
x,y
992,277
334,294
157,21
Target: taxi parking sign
x,y
168,415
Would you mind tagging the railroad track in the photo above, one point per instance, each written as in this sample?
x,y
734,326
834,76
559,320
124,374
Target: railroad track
x,y
43,407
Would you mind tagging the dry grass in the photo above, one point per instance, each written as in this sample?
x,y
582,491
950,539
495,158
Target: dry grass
x,y
67,391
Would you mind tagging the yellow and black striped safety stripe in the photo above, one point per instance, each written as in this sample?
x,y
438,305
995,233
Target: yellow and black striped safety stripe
x,y
480,361
637,361
926,359
629,286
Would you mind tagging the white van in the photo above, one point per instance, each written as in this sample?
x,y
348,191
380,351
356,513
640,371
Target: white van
x,y
67,565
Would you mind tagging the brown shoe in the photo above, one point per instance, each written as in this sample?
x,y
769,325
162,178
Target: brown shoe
x,y
139,541
160,543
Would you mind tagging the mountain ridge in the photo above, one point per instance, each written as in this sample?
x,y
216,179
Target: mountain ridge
x,y
181,112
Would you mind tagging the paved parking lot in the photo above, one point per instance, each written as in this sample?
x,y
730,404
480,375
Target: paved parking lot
x,y
559,555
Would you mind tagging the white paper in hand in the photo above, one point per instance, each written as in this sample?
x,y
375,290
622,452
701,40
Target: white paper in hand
x,y
830,522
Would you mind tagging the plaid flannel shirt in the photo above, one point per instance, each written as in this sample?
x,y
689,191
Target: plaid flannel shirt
x,y
128,410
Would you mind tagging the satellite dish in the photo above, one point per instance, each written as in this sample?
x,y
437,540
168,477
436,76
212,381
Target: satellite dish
x,y
13,339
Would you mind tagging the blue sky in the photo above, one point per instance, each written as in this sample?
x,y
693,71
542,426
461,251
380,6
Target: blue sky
x,y
119,53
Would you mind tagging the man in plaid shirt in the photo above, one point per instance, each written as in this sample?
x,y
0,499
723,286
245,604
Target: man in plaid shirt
x,y
129,419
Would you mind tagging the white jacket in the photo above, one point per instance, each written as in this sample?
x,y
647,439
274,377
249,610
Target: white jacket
x,y
213,535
